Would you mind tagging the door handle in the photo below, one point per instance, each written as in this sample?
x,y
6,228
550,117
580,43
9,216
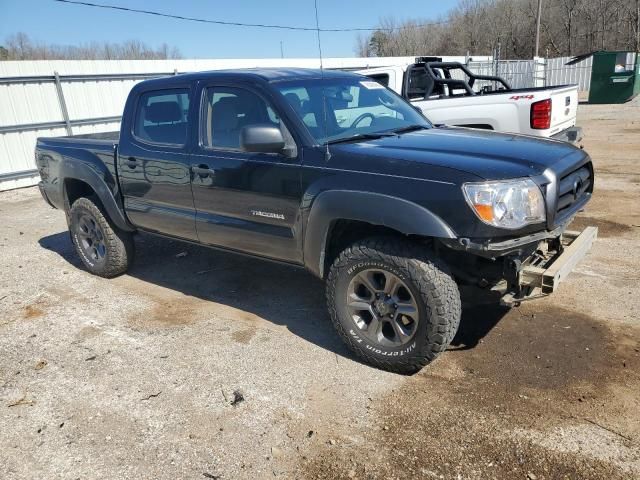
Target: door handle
x,y
203,170
131,162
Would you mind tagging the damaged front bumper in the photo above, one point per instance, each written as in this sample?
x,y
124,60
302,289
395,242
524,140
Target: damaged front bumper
x,y
540,274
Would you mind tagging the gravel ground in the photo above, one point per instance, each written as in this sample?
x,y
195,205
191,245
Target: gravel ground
x,y
208,365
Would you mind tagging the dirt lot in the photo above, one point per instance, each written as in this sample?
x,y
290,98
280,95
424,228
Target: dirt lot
x,y
208,365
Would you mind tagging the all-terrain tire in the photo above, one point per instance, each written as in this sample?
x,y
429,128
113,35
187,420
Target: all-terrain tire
x,y
116,245
431,284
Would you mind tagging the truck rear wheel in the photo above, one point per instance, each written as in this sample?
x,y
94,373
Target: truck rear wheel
x,y
104,249
393,303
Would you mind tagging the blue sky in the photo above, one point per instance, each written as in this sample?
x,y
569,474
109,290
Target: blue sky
x,y
52,22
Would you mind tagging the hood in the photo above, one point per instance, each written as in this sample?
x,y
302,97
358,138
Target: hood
x,y
486,154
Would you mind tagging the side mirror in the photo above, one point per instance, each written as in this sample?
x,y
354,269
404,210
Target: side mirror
x,y
261,138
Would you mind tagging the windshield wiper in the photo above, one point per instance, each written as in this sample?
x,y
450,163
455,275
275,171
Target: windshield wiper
x,y
410,128
375,135
360,136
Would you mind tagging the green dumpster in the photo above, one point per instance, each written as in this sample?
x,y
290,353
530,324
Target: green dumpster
x,y
615,77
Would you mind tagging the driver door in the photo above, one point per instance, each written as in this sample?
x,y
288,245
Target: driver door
x,y
244,201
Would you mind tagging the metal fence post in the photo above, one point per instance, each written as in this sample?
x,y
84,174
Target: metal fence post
x,y
538,73
496,64
63,104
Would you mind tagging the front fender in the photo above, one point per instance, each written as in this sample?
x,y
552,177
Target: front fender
x,y
373,208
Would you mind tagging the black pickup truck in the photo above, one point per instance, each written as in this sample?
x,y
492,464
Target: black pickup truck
x,y
391,211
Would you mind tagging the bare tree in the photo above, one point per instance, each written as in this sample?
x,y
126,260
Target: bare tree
x,y
568,27
362,46
20,47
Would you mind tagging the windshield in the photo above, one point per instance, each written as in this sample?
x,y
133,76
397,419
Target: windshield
x,y
354,107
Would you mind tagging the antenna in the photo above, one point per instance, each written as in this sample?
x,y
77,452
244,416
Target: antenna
x,y
324,100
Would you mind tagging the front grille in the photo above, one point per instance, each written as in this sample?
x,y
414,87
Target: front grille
x,y
573,187
573,191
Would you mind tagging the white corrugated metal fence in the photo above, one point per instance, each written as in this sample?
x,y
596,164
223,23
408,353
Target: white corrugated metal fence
x,y
558,73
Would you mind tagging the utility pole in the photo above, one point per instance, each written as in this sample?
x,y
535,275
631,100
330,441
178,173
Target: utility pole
x,y
538,27
281,50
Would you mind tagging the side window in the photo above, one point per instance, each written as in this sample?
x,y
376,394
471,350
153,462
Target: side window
x,y
298,97
161,116
418,83
382,78
228,110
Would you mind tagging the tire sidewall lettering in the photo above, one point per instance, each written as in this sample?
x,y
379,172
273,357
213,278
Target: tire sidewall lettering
x,y
85,259
362,265
378,351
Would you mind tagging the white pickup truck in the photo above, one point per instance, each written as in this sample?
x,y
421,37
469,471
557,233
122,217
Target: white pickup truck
x,y
449,93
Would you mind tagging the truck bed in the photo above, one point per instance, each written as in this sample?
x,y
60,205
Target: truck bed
x,y
109,138
528,89
506,111
75,156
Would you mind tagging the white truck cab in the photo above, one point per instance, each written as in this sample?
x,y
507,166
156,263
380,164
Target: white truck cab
x,y
449,93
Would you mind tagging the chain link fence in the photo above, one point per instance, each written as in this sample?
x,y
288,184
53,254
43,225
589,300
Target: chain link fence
x,y
538,72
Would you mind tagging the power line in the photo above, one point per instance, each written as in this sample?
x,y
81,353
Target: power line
x,y
181,17
239,24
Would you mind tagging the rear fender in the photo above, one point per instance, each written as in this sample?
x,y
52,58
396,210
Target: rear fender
x,y
96,175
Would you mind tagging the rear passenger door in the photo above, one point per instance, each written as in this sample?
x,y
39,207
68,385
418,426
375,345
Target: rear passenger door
x,y
153,163
244,201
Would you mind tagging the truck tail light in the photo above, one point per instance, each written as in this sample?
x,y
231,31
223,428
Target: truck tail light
x,y
541,114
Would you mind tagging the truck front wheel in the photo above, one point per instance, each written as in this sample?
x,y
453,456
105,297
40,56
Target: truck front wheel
x,y
104,249
393,303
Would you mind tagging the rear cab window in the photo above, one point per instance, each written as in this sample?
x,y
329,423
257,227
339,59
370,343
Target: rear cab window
x,y
161,116
382,78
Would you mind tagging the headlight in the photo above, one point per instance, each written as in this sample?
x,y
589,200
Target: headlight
x,y
508,204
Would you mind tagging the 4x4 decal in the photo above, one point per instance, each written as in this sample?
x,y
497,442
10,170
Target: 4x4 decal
x,y
521,97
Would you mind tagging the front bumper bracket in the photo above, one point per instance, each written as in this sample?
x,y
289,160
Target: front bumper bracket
x,y
541,276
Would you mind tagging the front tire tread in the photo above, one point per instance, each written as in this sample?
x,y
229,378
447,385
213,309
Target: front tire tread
x,y
429,275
